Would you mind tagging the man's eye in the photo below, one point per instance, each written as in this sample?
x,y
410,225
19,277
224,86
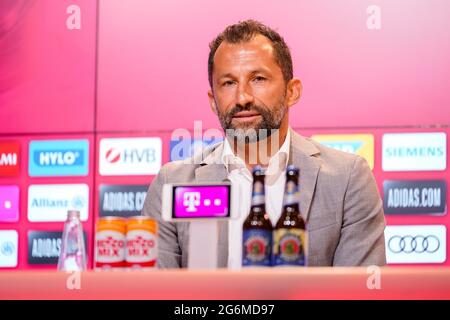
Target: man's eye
x,y
227,83
259,79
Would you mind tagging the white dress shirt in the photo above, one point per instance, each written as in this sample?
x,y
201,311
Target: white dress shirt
x,y
241,179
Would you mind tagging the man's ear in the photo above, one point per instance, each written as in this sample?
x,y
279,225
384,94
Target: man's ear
x,y
212,102
293,91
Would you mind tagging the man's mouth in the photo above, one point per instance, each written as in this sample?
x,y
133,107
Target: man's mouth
x,y
246,115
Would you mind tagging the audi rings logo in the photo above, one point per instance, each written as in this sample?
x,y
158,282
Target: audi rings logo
x,y
417,244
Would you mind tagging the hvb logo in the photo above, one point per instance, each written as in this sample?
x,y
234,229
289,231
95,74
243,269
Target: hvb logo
x,y
130,156
114,155
59,158
9,159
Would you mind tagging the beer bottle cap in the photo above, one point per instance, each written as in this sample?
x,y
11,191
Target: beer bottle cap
x,y
258,170
292,169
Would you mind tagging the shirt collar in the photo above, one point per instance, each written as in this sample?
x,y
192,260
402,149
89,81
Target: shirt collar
x,y
277,162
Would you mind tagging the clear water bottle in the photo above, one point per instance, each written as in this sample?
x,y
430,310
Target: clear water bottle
x,y
73,253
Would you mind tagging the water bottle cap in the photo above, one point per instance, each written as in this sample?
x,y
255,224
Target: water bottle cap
x,y
71,214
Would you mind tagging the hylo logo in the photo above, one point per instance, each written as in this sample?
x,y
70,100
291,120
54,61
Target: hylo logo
x,y
59,158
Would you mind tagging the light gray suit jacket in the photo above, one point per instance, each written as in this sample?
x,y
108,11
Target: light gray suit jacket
x,y
339,200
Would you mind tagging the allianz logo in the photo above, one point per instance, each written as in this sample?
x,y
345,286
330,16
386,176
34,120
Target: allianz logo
x,y
408,152
347,146
77,202
47,158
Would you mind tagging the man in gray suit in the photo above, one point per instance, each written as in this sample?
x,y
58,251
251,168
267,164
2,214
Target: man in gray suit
x,y
252,89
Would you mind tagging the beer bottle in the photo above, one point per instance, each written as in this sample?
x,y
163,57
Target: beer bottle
x,y
257,228
289,235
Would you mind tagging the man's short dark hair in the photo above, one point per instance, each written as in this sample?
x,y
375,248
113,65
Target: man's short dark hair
x,y
244,31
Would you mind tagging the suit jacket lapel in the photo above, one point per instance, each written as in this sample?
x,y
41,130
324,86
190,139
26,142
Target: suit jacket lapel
x,y
211,167
302,155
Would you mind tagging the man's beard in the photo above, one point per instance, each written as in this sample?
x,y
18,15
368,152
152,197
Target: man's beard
x,y
271,119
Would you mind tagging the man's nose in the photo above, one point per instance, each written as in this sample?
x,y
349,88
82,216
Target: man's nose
x,y
244,95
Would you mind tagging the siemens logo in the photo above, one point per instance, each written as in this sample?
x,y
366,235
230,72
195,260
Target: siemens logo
x,y
59,158
414,151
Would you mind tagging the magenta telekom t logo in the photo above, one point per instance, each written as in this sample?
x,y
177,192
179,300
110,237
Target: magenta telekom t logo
x,y
9,203
191,200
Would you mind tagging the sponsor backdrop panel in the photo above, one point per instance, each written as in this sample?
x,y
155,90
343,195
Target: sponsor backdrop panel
x,y
47,88
122,192
126,164
58,180
47,66
422,165
426,160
